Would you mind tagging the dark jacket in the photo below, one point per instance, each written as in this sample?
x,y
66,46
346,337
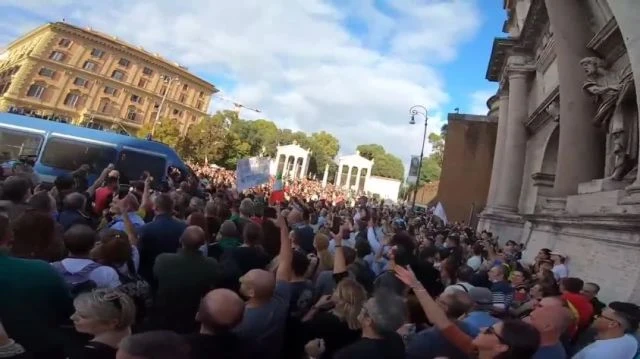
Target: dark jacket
x,y
68,218
162,235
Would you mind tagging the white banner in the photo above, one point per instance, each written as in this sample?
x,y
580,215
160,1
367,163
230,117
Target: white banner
x,y
251,172
413,170
439,212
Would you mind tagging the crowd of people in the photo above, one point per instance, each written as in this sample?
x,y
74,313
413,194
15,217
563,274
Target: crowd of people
x,y
303,188
128,271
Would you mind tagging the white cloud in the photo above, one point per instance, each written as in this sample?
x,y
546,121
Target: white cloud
x,y
478,104
296,60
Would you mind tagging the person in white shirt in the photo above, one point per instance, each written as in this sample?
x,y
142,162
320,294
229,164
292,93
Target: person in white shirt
x,y
559,269
464,274
79,241
613,329
475,261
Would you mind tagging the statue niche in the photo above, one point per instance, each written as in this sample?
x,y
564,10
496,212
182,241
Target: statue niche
x,y
614,95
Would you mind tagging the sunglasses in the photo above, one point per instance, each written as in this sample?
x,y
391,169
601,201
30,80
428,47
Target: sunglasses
x,y
491,331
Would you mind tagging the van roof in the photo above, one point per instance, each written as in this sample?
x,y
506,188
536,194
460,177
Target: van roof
x,y
83,132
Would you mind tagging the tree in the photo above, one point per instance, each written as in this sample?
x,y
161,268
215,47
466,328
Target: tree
x,y
324,147
204,141
430,170
437,147
166,131
385,164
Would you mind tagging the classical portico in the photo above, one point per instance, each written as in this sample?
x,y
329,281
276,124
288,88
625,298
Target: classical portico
x,y
353,172
565,168
292,161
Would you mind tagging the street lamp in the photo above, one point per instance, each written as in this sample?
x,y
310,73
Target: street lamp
x,y
418,110
167,80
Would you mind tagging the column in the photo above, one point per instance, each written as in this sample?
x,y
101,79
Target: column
x,y
366,179
359,173
325,176
628,20
303,167
499,148
580,150
508,194
339,175
349,177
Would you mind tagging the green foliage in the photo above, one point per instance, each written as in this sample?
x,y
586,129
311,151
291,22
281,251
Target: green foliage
x,y
430,169
437,147
166,131
224,138
385,164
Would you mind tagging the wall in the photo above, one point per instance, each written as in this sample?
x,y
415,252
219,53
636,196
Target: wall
x,y
386,188
466,169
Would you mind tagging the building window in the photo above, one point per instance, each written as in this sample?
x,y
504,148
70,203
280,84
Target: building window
x,y
147,71
201,94
132,114
46,72
136,99
97,53
199,105
79,81
57,56
193,118
163,90
36,90
72,99
185,87
64,43
177,113
111,91
90,66
124,62
4,87
143,82
105,105
118,75
65,154
182,98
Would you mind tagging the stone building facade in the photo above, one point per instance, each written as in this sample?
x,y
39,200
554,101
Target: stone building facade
x,y
81,75
466,166
565,173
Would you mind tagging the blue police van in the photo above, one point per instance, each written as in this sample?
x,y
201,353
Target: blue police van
x,y
55,148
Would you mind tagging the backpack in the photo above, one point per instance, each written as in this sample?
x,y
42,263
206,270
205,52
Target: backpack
x,y
78,282
133,285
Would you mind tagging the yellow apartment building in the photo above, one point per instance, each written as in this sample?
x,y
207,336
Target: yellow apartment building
x,y
90,78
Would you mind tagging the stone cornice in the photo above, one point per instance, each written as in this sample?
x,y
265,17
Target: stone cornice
x,y
545,112
614,221
608,42
542,179
499,54
537,19
526,42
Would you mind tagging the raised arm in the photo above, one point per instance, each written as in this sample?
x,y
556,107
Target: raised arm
x,y
286,252
92,189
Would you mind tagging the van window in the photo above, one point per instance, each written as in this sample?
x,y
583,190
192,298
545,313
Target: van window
x,y
132,164
16,144
70,155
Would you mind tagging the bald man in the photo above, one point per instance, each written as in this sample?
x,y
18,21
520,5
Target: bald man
x,y
267,301
550,322
220,311
183,279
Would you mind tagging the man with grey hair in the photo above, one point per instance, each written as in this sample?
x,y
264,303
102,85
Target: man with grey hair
x,y
72,211
381,316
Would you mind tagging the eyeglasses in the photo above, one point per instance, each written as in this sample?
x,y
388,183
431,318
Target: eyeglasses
x,y
491,331
608,318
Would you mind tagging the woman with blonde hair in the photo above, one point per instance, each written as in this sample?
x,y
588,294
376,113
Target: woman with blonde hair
x,y
106,315
332,323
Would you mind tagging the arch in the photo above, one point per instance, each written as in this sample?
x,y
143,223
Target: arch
x,y
545,177
297,168
281,163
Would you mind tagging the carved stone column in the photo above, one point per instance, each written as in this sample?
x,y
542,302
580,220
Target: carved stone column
x,y
499,149
581,149
349,177
325,176
358,175
512,167
628,17
339,175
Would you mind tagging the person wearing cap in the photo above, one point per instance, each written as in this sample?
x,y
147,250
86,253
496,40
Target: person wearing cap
x,y
615,328
559,269
480,316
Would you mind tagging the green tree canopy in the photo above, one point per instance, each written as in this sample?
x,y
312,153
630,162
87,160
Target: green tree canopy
x,y
385,164
167,131
437,147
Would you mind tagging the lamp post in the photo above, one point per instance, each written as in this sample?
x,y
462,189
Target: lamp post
x,y
167,80
418,110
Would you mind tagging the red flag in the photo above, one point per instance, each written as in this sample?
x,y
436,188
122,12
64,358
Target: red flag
x,y
277,195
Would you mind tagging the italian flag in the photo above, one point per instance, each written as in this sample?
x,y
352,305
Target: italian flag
x,y
277,194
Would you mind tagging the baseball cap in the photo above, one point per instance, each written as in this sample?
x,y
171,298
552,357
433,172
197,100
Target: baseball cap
x,y
481,296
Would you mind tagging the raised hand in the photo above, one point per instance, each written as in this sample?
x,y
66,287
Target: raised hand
x,y
406,275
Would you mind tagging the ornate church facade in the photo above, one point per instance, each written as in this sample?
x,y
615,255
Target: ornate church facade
x,y
565,169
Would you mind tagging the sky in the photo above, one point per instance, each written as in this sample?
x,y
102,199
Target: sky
x,y
352,68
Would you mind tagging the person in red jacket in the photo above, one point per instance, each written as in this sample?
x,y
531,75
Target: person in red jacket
x,y
571,288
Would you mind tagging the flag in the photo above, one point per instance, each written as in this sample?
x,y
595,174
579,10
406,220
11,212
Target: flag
x,y
439,212
277,194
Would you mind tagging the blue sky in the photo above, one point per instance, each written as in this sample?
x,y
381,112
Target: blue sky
x,y
349,67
